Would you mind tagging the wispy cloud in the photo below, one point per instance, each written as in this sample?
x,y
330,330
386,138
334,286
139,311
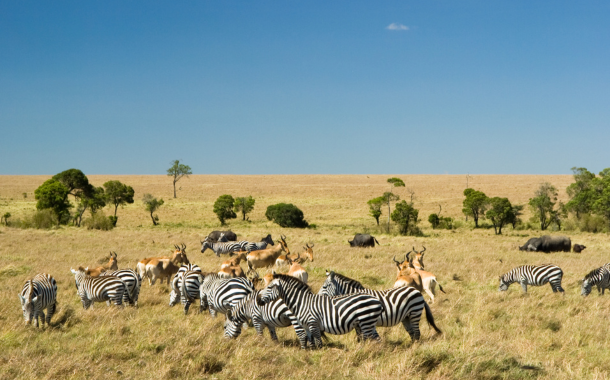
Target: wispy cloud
x,y
395,26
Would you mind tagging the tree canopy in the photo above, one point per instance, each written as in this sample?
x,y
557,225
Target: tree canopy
x,y
152,204
244,205
286,215
500,213
177,171
543,205
118,194
76,181
53,194
223,208
405,216
475,205
375,205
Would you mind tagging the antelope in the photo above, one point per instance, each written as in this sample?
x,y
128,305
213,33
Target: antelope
x,y
296,270
165,268
428,279
112,265
283,259
407,276
266,257
141,266
231,271
234,261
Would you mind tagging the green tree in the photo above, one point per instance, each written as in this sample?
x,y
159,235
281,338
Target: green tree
x,y
601,202
581,192
223,208
177,171
474,205
76,181
244,205
543,204
517,213
152,204
434,220
118,194
390,197
95,201
53,195
405,216
5,217
286,215
375,205
500,213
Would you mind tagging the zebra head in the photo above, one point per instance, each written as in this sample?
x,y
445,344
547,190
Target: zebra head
x,y
271,292
267,239
28,304
205,244
330,287
587,285
503,284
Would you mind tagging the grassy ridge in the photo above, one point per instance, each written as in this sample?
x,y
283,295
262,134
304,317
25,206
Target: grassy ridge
x,y
486,334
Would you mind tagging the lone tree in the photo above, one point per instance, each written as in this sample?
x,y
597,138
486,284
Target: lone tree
x,y
475,205
286,215
500,213
375,205
53,195
244,205
543,205
177,171
223,208
389,197
405,216
118,194
152,204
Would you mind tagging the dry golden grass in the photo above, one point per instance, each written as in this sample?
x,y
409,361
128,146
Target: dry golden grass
x,y
486,334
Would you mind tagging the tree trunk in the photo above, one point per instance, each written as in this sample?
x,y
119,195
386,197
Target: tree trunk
x,y
116,206
388,216
377,219
153,218
174,188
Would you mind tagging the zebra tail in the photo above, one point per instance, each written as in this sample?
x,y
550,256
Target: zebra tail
x,y
183,290
129,298
430,318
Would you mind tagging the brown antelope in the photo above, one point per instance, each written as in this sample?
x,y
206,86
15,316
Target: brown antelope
x,y
407,276
141,266
266,257
231,271
428,278
161,268
234,261
296,270
283,259
111,265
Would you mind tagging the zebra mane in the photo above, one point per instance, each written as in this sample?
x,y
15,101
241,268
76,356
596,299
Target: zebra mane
x,y
347,279
293,282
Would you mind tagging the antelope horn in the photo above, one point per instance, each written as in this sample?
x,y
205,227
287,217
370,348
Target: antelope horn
x,y
423,250
283,238
396,261
31,291
407,256
312,244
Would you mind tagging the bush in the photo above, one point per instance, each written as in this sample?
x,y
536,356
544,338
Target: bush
x,y
592,223
41,219
405,216
98,221
440,222
286,215
223,208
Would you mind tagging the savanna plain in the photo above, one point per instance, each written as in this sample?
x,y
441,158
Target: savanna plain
x,y
486,334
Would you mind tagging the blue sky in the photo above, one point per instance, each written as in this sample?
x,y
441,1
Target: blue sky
x,y
291,87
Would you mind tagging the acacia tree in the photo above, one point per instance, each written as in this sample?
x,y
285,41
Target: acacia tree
x,y
405,216
581,192
95,201
375,205
475,205
500,213
244,205
54,195
389,196
118,194
223,208
543,205
177,171
152,204
77,183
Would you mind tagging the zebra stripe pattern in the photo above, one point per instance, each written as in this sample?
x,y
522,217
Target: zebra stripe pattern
x,y
251,246
402,304
132,280
219,294
533,275
99,289
336,315
185,287
38,294
599,277
220,248
271,315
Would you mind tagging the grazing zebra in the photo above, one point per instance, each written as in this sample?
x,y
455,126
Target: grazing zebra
x,y
533,275
248,246
271,315
221,294
98,289
401,304
132,280
185,287
220,248
599,277
335,315
38,294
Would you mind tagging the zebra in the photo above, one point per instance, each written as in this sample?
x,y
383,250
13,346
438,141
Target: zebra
x,y
38,294
317,313
401,304
533,275
251,246
185,288
271,315
221,294
599,277
98,289
220,248
132,280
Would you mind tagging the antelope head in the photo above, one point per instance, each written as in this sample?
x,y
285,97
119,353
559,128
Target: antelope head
x,y
309,251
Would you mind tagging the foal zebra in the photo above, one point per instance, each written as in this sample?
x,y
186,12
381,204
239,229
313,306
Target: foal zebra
x,y
98,289
271,315
221,294
401,304
599,277
336,315
132,280
38,294
533,275
185,287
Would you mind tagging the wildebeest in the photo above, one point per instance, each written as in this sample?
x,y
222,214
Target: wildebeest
x,y
547,243
578,248
215,235
363,240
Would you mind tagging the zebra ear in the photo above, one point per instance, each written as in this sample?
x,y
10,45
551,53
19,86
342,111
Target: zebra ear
x,y
22,299
34,299
73,271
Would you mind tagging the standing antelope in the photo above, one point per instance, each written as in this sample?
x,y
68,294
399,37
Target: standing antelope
x,y
165,268
428,279
111,265
407,275
296,270
266,257
141,266
282,260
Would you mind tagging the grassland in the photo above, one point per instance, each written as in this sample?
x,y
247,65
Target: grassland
x,y
486,334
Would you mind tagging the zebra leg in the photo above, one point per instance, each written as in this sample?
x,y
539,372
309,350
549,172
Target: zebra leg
x,y
524,287
108,303
358,331
42,316
259,326
272,332
369,331
187,304
409,327
316,333
50,312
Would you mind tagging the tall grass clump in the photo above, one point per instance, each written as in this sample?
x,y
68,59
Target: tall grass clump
x,y
98,221
40,219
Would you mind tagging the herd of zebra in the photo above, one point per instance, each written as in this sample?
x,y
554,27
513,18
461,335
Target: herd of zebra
x,y
277,300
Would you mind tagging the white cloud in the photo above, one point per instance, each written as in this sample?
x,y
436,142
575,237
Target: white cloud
x,y
395,26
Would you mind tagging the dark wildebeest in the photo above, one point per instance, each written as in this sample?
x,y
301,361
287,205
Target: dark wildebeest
x,y
548,244
363,240
215,235
578,248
